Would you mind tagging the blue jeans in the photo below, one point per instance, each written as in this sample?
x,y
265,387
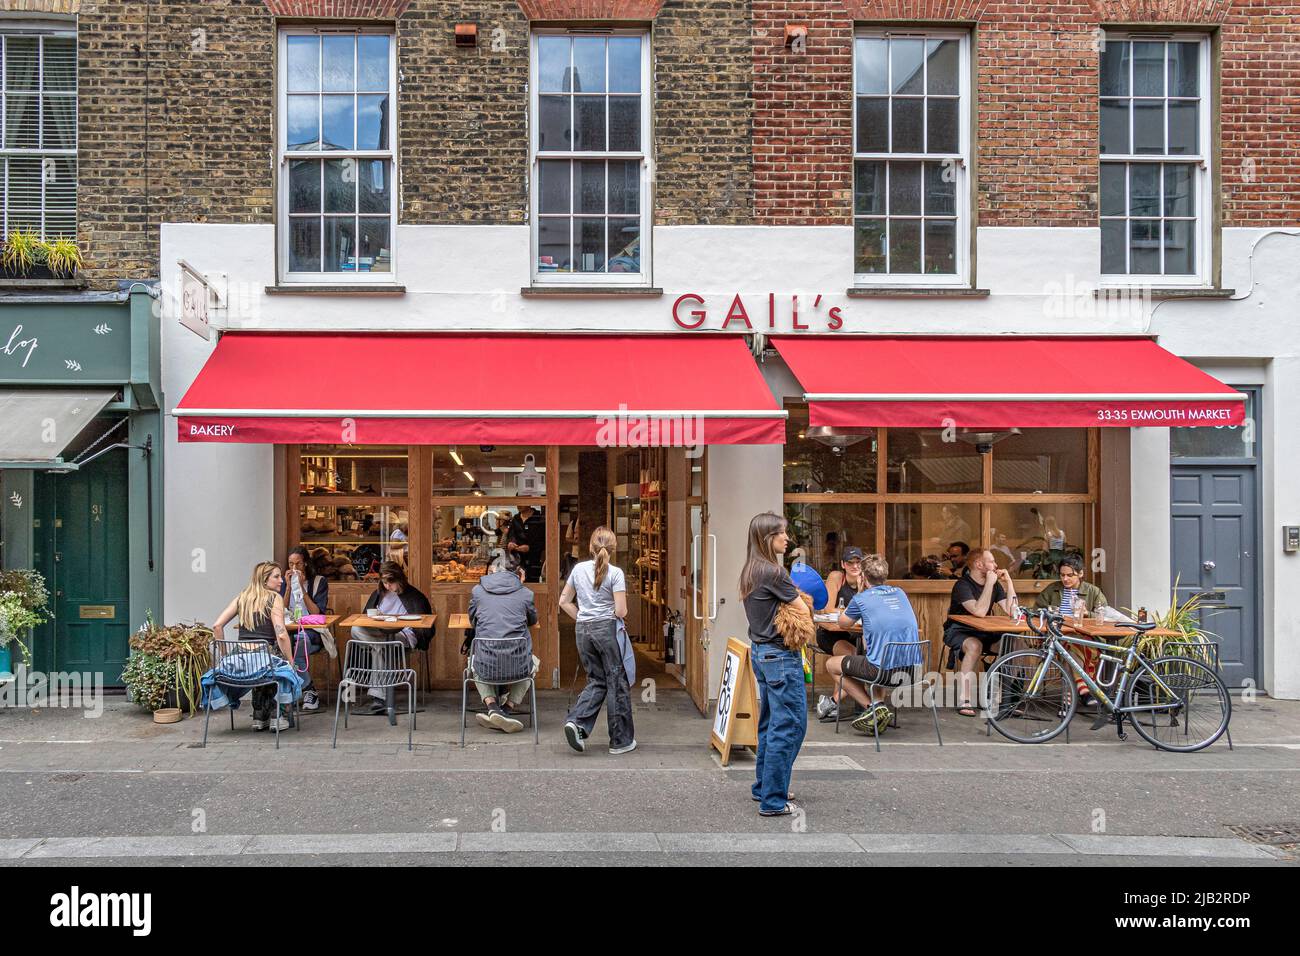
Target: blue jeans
x,y
782,721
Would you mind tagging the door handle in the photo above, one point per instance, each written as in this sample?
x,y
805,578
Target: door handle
x,y
713,575
695,578
1208,565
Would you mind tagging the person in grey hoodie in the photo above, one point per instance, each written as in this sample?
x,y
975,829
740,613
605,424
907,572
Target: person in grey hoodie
x,y
501,611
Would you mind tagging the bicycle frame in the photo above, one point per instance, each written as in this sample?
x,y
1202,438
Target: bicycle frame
x,y
1056,649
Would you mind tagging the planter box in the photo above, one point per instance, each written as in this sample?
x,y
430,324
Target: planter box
x,y
38,277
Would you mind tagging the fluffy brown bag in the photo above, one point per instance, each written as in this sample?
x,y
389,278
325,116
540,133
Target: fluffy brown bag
x,y
794,622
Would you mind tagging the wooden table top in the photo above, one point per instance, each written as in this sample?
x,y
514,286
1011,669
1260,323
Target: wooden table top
x,y
1001,624
361,620
458,622
835,626
330,621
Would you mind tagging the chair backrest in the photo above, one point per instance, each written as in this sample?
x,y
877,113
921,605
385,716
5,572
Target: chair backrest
x,y
376,663
247,660
903,663
501,660
1203,651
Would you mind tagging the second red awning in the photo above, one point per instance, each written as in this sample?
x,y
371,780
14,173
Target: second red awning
x,y
507,389
1004,381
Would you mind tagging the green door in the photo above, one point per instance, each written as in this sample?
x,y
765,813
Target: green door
x,y
91,581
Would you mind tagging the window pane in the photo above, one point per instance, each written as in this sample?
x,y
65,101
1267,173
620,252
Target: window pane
x,y
553,130
906,65
868,188
340,185
1183,133
373,253
873,125
22,63
1148,69
22,121
553,186
1221,441
1113,189
590,185
338,122
60,68
338,67
922,532
943,66
589,64
1144,246
1031,540
589,238
60,122
904,189
1144,187
1114,246
942,127
1148,126
493,471
872,65
353,470
868,246
940,247
1178,190
553,245
907,127
1042,460
1114,127
905,246
624,245
304,185
1184,69
372,56
589,117
25,191
940,190
304,244
625,123
302,56
825,460
824,531
340,244
375,185
553,64
624,186
61,199
304,122
372,122
1114,68
1180,247
625,64
921,462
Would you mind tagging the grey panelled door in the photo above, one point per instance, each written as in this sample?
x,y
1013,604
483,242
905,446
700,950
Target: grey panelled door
x,y
1215,553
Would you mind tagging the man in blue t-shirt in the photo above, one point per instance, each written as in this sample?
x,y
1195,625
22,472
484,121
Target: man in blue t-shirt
x,y
887,619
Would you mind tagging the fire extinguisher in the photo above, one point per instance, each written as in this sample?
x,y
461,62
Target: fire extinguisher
x,y
670,630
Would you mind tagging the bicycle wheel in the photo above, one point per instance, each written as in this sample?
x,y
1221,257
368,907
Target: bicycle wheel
x,y
1197,715
1017,714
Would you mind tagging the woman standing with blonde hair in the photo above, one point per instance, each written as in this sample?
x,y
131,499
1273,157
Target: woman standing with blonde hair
x,y
595,596
259,611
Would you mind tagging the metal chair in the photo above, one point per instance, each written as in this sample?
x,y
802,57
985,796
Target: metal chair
x,y
378,665
898,677
244,665
499,675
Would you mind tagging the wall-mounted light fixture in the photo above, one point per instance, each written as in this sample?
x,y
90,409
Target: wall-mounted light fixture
x,y
467,34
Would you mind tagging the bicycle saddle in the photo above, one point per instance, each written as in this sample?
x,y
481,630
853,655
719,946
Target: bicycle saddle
x,y
1142,626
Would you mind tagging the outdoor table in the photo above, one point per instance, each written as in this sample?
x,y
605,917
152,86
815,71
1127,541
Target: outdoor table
x,y
458,622
855,628
328,625
379,624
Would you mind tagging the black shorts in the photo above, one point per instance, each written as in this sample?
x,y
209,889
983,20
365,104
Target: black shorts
x,y
826,640
954,637
858,667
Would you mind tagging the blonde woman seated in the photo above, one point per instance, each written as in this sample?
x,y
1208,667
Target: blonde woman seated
x,y
259,610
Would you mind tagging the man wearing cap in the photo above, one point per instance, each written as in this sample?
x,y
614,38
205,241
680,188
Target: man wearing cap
x,y
842,586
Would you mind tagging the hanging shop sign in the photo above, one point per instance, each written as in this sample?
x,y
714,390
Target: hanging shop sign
x,y
770,313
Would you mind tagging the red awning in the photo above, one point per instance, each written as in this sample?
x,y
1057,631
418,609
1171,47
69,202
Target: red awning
x,y
379,388
1002,382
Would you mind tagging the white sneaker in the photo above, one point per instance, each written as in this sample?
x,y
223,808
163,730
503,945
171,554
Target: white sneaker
x,y
623,750
310,701
826,707
573,734
259,725
277,723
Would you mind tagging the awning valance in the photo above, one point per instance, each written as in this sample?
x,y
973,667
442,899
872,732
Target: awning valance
x,y
508,389
38,424
1003,382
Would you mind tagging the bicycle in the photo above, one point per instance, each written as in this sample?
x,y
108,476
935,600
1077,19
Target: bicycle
x,y
1174,703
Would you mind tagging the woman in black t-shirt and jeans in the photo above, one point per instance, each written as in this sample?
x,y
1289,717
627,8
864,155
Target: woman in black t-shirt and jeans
x,y
983,589
783,716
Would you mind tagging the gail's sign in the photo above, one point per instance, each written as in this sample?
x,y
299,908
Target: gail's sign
x,y
773,313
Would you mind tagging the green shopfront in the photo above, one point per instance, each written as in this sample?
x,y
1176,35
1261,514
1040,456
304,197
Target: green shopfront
x,y
81,468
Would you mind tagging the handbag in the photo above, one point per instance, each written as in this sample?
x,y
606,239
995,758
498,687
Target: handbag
x,y
794,622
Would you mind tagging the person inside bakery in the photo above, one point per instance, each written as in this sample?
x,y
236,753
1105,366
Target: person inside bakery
x,y
526,540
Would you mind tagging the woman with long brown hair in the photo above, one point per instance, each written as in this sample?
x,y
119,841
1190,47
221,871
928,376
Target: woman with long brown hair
x,y
259,611
765,586
595,596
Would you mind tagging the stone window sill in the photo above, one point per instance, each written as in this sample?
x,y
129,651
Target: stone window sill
x,y
357,289
1119,291
589,292
915,292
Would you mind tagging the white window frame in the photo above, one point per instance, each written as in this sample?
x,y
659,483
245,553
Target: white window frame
x,y
643,279
1202,164
961,278
285,156
19,28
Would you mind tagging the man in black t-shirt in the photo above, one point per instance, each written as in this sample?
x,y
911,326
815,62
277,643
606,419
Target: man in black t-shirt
x,y
526,539
982,590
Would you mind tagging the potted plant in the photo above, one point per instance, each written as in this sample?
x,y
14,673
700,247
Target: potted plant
x,y
23,600
167,664
1185,618
25,255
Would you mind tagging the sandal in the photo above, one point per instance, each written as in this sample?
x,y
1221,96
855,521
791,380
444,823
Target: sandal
x,y
785,811
967,710
788,796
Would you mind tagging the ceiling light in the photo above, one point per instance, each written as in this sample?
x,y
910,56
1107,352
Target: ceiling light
x,y
455,456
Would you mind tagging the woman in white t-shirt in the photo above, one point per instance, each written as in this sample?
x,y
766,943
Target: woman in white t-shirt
x,y
595,596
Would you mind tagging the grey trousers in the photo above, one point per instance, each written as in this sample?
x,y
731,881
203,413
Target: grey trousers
x,y
606,683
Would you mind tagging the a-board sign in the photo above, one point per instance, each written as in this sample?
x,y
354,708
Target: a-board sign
x,y
736,722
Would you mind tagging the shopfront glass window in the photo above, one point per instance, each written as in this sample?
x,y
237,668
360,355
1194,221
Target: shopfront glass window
x,y
492,471
922,462
820,460
356,471
1218,441
917,536
1031,539
349,543
1042,461
823,531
